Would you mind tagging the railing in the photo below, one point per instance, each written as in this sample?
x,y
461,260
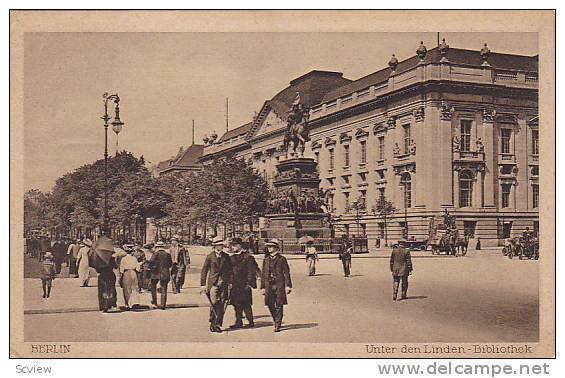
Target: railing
x,y
431,72
506,76
322,245
530,77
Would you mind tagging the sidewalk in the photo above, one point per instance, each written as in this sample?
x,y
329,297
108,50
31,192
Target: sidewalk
x,y
68,296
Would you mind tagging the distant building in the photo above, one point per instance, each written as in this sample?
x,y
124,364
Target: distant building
x,y
447,129
186,160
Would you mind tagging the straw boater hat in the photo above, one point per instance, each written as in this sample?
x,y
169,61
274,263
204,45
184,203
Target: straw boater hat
x,y
274,243
175,237
160,245
218,240
87,242
48,255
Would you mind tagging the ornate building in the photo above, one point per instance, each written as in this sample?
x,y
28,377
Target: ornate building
x,y
447,129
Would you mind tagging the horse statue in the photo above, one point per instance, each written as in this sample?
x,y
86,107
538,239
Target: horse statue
x,y
297,127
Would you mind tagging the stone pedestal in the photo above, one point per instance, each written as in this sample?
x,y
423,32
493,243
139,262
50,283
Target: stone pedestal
x,y
296,209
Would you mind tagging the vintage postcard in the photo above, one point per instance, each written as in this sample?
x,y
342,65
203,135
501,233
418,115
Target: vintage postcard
x,y
369,184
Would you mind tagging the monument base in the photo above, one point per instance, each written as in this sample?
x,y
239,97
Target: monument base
x,y
294,226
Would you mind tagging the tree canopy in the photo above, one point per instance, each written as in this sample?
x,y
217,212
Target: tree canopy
x,y
226,191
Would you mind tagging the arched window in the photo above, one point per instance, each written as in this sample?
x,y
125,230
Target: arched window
x,y
465,189
406,184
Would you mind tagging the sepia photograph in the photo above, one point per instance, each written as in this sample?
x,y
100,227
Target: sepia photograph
x,y
279,184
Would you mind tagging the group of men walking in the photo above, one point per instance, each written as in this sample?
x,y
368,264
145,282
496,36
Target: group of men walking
x,y
229,274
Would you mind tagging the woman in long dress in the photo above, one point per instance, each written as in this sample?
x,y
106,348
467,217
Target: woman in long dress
x,y
107,295
82,262
311,258
129,268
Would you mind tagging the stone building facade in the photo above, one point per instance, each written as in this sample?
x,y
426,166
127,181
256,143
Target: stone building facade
x,y
447,129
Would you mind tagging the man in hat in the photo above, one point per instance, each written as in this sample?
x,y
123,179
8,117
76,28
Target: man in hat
x,y
345,252
180,258
59,252
401,268
47,274
160,264
146,267
215,279
275,282
72,254
243,280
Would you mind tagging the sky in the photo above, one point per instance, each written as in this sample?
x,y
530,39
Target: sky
x,y
165,80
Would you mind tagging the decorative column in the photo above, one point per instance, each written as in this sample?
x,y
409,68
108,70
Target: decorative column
x,y
456,171
418,116
445,162
490,142
478,187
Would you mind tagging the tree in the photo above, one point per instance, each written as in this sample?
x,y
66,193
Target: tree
x,y
137,197
34,210
359,206
82,220
77,198
227,191
384,208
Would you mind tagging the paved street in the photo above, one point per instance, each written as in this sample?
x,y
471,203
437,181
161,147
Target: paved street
x,y
483,297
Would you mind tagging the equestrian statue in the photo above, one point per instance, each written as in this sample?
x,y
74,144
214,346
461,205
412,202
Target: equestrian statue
x,y
297,127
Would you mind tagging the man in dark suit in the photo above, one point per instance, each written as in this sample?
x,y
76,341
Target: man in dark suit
x,y
215,281
59,252
275,282
244,279
401,268
160,264
345,257
180,258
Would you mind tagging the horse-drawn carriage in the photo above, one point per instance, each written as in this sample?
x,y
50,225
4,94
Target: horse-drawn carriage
x,y
523,247
445,238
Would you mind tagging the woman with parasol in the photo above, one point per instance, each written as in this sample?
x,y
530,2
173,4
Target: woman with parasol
x,y
102,259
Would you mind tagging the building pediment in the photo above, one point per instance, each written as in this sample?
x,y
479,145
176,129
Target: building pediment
x,y
270,122
361,133
379,128
344,138
329,141
316,145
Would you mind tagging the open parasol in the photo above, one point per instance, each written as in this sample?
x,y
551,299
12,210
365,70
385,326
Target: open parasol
x,y
305,239
101,253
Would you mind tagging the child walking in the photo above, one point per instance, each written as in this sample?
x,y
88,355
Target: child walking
x,y
47,274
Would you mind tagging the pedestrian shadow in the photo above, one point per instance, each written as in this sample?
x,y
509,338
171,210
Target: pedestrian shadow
x,y
416,297
261,316
356,275
298,326
143,308
183,305
320,275
257,325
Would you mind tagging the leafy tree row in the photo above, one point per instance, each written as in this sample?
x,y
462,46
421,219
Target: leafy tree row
x,y
226,191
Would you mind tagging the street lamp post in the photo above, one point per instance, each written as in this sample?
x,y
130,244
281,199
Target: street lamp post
x,y
116,125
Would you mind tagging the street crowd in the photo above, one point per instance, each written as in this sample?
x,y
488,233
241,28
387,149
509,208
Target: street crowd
x,y
228,275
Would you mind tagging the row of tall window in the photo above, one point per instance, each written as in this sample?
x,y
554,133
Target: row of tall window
x,y
466,192
465,137
466,182
363,152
